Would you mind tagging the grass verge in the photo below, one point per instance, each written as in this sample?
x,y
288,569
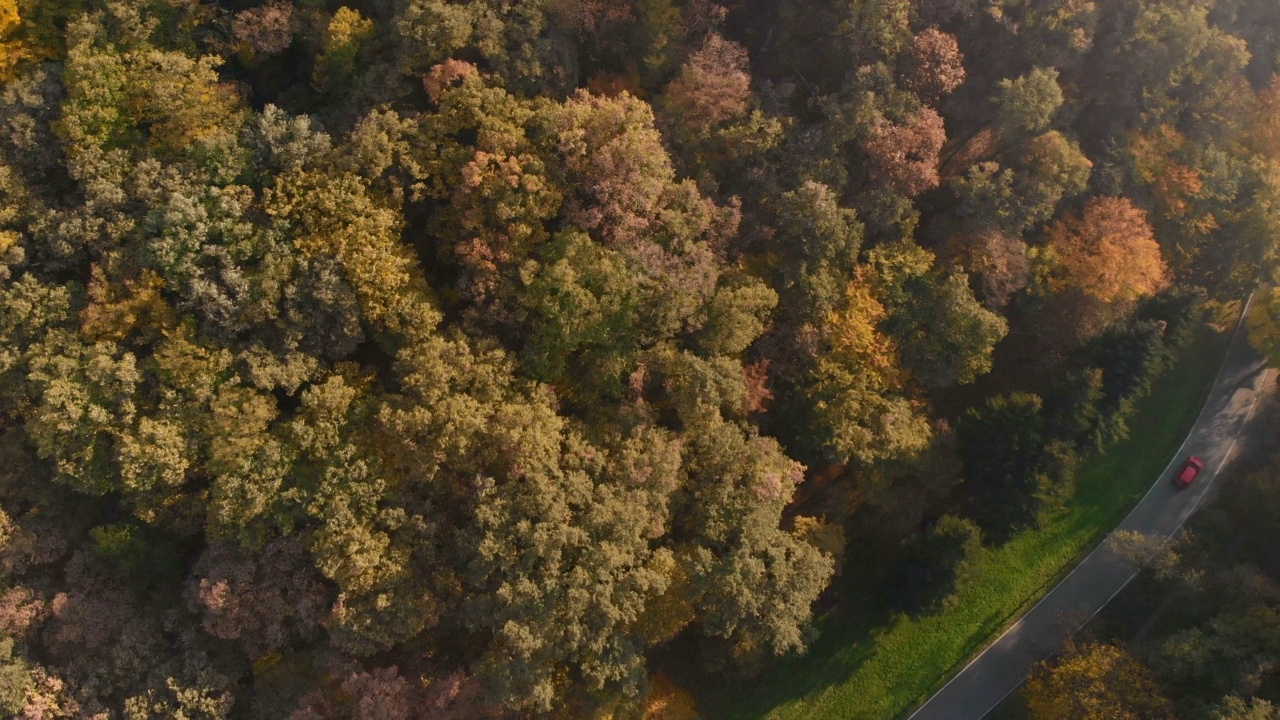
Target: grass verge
x,y
876,667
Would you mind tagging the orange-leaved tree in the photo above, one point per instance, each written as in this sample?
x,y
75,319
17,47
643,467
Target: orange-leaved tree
x,y
1109,251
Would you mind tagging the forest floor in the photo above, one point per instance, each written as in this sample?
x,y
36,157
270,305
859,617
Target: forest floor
x,y
873,664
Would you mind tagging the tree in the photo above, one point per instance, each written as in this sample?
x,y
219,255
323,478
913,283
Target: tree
x,y
1026,104
858,407
502,205
1179,308
263,604
430,32
1002,445
1263,323
997,265
936,560
562,560
873,31
946,337
1108,252
1050,168
735,315
1152,553
1056,35
85,397
498,196
623,191
267,29
332,216
756,581
1240,257
618,167
819,241
933,66
181,102
583,306
942,12
906,156
12,49
1222,653
15,679
986,200
1130,356
1182,68
713,86
1161,161
344,38
1234,708
1073,410
1199,210
668,701
1095,682
1263,131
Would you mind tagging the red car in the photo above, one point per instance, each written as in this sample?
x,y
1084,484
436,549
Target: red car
x,y
1189,471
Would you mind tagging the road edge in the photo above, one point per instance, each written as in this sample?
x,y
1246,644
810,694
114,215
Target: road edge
x,y
1083,557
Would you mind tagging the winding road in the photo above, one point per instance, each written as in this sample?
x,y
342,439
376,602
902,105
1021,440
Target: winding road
x,y
997,671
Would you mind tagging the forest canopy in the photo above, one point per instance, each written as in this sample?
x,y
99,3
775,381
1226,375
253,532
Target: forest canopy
x,y
392,359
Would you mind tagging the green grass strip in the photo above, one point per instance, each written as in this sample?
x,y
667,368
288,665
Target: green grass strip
x,y
875,669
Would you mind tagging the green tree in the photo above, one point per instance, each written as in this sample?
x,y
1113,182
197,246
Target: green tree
x,y
1027,104
1073,409
15,678
1051,168
85,394
583,306
1234,708
1129,356
756,582
819,241
561,562
946,336
735,315
1002,445
1263,323
935,561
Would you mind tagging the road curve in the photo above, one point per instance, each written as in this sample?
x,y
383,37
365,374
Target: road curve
x,y
997,671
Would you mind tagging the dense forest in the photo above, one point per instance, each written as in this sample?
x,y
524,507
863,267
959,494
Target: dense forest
x,y
450,359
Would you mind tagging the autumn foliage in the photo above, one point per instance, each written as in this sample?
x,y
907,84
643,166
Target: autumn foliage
x,y
1096,682
933,66
441,359
713,86
906,156
1108,251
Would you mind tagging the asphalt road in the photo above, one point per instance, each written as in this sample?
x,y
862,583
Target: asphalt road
x,y
1001,668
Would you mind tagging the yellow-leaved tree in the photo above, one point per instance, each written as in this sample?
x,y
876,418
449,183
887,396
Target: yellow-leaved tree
x,y
12,49
859,401
1096,682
